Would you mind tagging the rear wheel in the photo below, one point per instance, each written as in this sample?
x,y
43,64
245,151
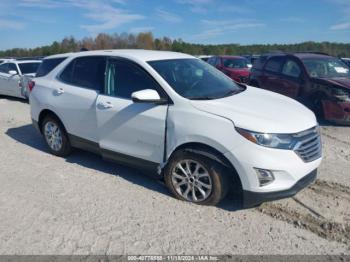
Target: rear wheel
x,y
196,179
55,136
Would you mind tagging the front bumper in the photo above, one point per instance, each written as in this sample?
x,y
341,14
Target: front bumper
x,y
337,112
251,199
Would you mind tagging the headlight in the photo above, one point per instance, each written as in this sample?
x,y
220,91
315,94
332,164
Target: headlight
x,y
280,141
341,94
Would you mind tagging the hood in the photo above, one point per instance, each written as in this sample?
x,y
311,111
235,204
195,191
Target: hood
x,y
239,71
338,81
261,111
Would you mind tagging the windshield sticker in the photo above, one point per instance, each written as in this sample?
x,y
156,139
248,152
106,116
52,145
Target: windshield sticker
x,y
341,70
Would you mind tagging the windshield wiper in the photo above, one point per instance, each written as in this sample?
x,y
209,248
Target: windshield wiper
x,y
233,92
201,98
230,93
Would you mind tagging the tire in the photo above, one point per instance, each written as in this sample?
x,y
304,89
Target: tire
x,y
317,107
254,84
59,144
209,172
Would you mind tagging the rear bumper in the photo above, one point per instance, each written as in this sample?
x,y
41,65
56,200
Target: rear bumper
x,y
251,199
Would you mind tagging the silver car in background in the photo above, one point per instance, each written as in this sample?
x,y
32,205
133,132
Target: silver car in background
x,y
11,72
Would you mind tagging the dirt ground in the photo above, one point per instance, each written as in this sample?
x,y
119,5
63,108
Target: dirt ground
x,y
84,205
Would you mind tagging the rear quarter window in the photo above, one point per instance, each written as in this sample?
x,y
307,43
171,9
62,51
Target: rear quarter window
x,y
48,65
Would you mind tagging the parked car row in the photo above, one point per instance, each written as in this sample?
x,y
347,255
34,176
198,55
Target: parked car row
x,y
14,76
319,81
181,118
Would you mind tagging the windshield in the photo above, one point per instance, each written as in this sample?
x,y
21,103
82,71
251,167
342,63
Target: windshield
x,y
235,63
28,68
326,67
195,79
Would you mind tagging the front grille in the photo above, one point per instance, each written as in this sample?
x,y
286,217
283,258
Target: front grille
x,y
308,146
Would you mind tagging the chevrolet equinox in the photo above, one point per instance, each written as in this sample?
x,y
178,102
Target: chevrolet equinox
x,y
181,118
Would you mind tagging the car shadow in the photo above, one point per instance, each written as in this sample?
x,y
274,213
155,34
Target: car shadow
x,y
326,123
29,136
16,99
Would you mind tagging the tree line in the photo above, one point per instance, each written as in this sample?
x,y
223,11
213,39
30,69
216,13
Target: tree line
x,y
146,40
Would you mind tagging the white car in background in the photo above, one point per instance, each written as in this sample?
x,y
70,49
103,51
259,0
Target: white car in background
x,y
181,119
11,72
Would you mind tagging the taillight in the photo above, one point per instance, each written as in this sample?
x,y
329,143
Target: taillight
x,y
31,85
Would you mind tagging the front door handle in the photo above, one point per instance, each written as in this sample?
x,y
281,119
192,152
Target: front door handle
x,y
105,105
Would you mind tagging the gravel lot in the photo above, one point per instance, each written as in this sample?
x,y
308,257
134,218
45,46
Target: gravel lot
x,y
84,205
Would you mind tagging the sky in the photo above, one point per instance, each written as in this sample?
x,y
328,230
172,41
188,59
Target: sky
x,y
32,23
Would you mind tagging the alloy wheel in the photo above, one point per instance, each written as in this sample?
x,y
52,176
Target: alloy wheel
x,y
53,136
191,180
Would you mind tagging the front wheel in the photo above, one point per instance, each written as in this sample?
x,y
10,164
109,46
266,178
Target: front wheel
x,y
196,179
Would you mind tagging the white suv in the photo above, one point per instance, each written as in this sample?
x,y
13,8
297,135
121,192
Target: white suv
x,y
11,73
179,117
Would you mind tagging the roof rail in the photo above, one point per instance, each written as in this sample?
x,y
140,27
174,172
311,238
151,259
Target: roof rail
x,y
311,52
278,52
29,58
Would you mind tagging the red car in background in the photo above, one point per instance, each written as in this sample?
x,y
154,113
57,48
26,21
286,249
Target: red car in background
x,y
319,81
236,67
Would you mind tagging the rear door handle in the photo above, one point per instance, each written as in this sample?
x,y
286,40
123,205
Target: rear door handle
x,y
59,91
105,105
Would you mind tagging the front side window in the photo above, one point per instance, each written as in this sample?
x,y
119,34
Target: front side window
x,y
87,72
274,64
28,68
291,68
326,67
123,78
195,79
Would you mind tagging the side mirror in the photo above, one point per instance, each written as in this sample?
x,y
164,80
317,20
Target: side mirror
x,y
147,96
13,72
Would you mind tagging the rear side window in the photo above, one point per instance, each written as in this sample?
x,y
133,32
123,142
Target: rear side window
x,y
48,65
124,78
274,64
87,72
28,68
